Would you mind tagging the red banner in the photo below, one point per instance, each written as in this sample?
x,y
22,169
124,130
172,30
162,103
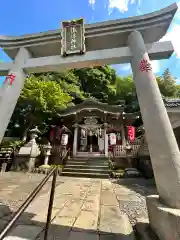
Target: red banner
x,y
131,133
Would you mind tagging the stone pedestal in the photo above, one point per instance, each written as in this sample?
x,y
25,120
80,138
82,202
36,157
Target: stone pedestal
x,y
164,221
28,154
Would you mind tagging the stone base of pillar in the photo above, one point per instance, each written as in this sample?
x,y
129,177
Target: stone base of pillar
x,y
165,221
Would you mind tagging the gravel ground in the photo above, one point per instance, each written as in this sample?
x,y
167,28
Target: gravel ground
x,y
134,204
16,187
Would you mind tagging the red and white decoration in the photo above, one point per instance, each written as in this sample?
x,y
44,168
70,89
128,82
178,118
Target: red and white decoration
x,y
9,79
112,138
145,66
131,133
64,139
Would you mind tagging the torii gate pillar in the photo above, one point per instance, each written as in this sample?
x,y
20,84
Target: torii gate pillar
x,y
9,94
164,151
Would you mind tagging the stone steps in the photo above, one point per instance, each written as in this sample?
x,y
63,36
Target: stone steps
x,y
87,170
86,166
91,168
85,175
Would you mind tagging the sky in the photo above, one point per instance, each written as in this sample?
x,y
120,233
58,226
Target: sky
x,y
20,17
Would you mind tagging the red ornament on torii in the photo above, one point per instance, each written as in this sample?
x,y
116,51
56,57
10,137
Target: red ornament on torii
x,y
10,79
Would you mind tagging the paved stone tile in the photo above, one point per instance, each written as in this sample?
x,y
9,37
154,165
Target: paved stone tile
x,y
83,236
41,216
2,224
64,221
60,202
4,210
91,205
128,197
87,220
93,198
71,209
108,198
119,190
77,205
112,221
106,185
56,233
24,232
39,203
116,237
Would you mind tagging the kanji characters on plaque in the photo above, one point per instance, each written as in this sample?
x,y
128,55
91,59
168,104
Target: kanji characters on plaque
x,y
73,37
145,66
9,79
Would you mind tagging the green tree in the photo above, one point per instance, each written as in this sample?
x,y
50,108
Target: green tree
x,y
125,89
167,84
68,82
97,82
39,101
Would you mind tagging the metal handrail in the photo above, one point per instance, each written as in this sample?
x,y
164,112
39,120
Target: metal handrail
x,y
30,198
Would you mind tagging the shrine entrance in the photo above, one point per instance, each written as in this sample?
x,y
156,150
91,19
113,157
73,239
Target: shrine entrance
x,y
91,140
133,40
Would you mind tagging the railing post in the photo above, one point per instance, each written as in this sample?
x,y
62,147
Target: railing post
x,y
51,200
22,208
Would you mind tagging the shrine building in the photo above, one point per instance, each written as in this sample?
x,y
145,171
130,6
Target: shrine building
x,y
98,128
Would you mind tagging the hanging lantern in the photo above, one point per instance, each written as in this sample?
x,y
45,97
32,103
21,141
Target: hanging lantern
x,y
131,133
112,138
64,139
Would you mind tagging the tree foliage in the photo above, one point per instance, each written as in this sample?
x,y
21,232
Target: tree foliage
x,y
44,94
38,102
167,84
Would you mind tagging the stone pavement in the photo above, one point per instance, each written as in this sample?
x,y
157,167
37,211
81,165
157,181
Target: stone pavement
x,y
83,208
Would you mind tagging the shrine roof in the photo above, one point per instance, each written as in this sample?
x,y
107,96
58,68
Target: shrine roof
x,y
91,104
104,35
172,103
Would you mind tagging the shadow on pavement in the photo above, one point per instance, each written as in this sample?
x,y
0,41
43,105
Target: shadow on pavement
x,y
142,186
26,228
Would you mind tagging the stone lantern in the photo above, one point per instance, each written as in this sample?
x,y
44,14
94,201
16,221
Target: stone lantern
x,y
29,152
34,134
47,152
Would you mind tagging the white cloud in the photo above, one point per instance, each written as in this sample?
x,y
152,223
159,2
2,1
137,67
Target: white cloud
x,y
92,3
174,36
121,5
155,66
177,16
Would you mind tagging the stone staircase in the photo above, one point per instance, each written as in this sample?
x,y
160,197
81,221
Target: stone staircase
x,y
87,167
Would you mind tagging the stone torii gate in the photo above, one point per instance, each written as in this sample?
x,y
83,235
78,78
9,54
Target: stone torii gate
x,y
133,40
